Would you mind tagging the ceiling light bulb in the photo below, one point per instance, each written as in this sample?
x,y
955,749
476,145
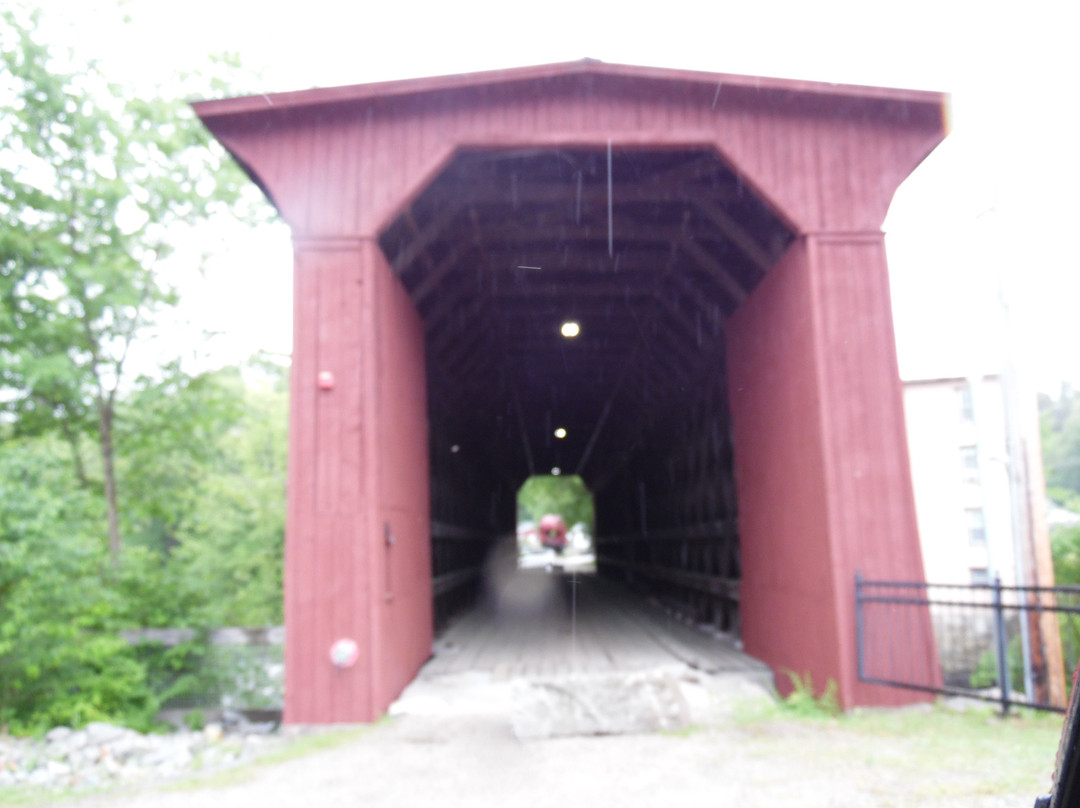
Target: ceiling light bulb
x,y
570,329
560,433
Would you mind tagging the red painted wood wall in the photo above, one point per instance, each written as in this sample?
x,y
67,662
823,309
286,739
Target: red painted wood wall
x,y
821,457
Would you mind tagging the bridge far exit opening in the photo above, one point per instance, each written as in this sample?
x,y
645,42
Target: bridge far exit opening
x,y
555,523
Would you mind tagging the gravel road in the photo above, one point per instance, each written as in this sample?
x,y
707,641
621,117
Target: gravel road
x,y
450,742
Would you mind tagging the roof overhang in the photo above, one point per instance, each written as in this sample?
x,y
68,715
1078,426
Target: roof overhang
x,y
722,82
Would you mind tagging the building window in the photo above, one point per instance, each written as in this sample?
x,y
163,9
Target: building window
x,y
969,463
967,403
980,576
976,525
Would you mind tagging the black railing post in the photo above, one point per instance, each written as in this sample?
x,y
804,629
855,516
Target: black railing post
x,y
859,649
1002,648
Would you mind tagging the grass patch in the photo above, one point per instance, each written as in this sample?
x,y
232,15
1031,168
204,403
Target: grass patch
x,y
683,732
1013,754
930,753
39,795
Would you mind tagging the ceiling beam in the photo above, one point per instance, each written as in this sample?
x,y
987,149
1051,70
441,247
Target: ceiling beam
x,y
436,274
736,233
719,273
450,295
425,235
664,188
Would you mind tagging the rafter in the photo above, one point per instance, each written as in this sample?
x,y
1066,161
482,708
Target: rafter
x,y
436,274
736,234
425,235
718,271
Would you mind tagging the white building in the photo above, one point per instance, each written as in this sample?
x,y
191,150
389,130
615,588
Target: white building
x,y
957,442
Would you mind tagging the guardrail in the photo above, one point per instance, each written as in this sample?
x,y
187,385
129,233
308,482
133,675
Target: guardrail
x,y
990,640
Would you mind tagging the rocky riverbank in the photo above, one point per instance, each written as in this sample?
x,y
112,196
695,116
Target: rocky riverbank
x,y
103,754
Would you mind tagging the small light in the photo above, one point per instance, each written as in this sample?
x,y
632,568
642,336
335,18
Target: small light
x,y
455,449
570,329
560,433
555,472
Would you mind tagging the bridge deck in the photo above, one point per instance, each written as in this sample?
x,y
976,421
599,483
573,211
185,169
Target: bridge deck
x,y
536,623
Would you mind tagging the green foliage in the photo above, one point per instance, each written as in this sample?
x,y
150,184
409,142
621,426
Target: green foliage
x,y
233,538
1065,548
803,701
61,658
63,604
195,720
94,183
99,181
566,496
1060,426
986,669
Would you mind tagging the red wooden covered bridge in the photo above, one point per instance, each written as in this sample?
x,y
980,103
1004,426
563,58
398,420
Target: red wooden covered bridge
x,y
732,399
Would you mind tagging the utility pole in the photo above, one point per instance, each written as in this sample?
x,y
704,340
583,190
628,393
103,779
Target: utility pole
x,y
1044,669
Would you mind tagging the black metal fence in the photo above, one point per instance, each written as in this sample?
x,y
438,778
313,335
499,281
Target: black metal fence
x,y
991,642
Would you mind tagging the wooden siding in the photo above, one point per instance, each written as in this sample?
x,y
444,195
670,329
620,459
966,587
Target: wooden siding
x,y
821,458
872,522
787,592
823,486
326,555
404,627
348,171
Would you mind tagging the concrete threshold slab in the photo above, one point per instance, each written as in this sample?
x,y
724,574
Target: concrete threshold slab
x,y
665,698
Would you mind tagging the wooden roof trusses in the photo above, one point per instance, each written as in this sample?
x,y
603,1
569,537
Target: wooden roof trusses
x,y
649,250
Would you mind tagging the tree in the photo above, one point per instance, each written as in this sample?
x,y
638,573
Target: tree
x,y
1060,427
232,540
92,186
565,496
62,660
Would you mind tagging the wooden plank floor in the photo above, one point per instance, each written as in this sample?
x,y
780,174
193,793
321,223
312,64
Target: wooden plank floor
x,y
537,623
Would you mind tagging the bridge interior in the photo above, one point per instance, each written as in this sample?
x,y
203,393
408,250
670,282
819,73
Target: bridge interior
x,y
648,252
537,623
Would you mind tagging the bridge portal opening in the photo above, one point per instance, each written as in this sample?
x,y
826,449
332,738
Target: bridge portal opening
x,y
574,303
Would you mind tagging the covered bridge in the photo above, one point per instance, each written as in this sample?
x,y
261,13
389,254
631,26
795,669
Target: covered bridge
x,y
732,399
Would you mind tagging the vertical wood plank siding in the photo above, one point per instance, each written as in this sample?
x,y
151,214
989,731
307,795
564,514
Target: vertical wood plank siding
x,y
788,594
824,168
867,471
820,455
327,553
406,618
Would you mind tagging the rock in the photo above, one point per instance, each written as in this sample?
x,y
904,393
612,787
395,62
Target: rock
x,y
130,746
69,744
102,754
39,777
100,733
212,733
598,705
111,765
57,734
55,768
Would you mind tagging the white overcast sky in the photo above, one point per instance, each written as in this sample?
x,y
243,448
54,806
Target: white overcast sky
x,y
994,207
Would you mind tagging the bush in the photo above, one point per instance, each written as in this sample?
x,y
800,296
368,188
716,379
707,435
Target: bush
x,y
62,660
986,670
